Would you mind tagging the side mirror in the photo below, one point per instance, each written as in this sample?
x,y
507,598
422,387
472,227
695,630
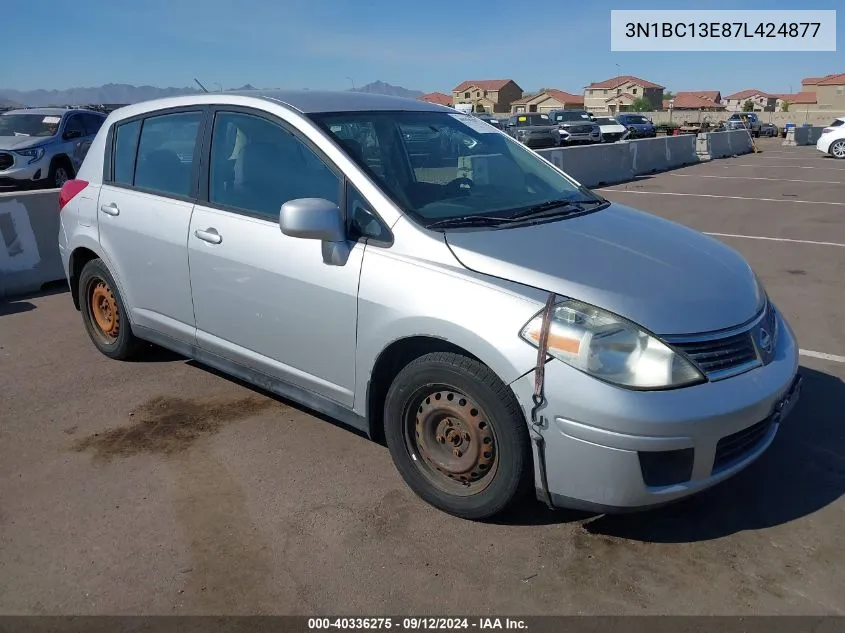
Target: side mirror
x,y
72,134
312,219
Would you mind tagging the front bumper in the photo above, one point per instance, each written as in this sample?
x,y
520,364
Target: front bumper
x,y
537,142
22,172
567,138
609,449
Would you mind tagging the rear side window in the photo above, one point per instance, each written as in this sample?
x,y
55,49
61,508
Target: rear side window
x,y
836,123
125,145
166,153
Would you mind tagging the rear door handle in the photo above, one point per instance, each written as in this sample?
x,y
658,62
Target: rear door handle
x,y
110,209
210,235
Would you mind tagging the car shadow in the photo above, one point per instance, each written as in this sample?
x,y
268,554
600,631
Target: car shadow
x,y
15,306
802,472
21,303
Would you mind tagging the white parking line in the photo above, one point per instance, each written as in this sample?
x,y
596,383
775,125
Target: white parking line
x,y
822,355
711,195
820,182
759,165
775,239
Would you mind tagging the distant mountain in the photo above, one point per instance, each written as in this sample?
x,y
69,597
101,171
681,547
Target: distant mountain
x,y
110,93
5,103
382,88
126,93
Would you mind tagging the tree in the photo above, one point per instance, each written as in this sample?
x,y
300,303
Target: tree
x,y
784,106
748,106
668,95
641,105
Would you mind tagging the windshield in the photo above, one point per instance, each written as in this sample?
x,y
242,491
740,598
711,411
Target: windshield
x,y
440,165
29,124
636,118
575,115
533,119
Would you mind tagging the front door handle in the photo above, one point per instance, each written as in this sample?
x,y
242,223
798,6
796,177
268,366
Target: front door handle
x,y
110,209
210,235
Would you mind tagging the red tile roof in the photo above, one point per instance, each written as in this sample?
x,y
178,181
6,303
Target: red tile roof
x,y
624,94
746,94
484,84
833,80
836,79
565,97
437,97
691,100
615,82
800,97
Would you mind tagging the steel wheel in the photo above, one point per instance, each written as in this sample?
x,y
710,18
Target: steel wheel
x,y
837,148
105,312
451,441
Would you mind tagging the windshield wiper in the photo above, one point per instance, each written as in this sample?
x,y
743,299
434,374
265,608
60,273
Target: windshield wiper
x,y
569,206
468,220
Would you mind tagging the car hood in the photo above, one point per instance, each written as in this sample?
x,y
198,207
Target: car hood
x,y
571,123
538,128
664,276
638,125
22,142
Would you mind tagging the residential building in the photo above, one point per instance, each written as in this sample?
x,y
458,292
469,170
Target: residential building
x,y
801,100
707,100
619,93
829,91
761,101
437,97
487,95
548,100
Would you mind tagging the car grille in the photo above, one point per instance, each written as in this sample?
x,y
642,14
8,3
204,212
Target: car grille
x,y
581,129
733,448
725,356
6,161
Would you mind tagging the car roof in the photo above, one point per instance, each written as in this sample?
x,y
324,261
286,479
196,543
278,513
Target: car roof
x,y
303,101
51,111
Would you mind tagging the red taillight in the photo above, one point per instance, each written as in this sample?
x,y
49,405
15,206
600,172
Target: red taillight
x,y
69,190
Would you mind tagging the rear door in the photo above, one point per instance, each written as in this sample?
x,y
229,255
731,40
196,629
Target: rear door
x,y
145,204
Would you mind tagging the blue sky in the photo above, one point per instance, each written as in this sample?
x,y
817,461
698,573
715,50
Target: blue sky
x,y
429,45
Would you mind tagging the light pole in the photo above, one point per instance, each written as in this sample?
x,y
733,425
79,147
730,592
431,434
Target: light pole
x,y
352,82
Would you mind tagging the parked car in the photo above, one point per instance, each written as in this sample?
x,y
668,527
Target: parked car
x,y
769,130
576,127
638,125
832,139
505,329
44,146
533,129
744,121
489,118
611,129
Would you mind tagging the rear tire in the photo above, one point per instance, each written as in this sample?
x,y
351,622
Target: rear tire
x,y
457,436
837,149
104,313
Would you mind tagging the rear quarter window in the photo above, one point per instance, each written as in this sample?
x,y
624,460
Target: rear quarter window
x,y
125,147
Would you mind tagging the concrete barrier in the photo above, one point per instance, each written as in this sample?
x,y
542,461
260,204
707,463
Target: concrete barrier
x,y
29,251
593,165
653,155
802,136
733,143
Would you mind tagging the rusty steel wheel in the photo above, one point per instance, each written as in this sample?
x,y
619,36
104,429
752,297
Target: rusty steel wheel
x,y
104,310
452,441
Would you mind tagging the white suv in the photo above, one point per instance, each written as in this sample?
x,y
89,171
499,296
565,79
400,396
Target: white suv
x,y
832,140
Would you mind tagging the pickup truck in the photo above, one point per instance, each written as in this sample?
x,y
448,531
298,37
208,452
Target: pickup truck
x,y
745,120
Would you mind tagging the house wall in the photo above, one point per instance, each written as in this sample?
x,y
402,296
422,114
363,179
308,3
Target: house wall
x,y
831,96
595,99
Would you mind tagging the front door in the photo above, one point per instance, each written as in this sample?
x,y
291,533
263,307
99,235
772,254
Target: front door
x,y
144,212
262,299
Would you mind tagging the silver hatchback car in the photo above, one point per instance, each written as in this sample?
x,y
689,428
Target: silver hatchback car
x,y
419,275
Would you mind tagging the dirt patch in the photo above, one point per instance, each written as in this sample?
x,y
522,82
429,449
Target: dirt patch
x,y
170,425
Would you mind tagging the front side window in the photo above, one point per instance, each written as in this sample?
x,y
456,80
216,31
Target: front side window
x,y
166,153
74,126
257,166
437,165
93,123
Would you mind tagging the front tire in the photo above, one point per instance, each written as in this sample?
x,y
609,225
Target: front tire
x,y
837,149
104,313
457,436
60,172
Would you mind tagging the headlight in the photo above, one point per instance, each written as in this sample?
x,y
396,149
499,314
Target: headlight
x,y
33,154
610,348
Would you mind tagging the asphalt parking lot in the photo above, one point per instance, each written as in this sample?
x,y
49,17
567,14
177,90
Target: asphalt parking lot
x,y
159,487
